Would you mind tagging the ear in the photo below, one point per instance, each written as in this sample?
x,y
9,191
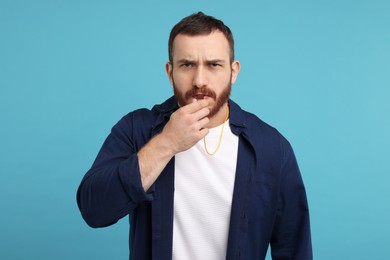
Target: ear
x,y
235,70
169,70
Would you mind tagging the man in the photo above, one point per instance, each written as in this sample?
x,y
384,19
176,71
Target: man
x,y
199,177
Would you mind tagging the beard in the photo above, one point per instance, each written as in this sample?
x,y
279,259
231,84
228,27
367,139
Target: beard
x,y
187,97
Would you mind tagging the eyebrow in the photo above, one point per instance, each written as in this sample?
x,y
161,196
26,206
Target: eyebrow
x,y
185,61
215,61
181,61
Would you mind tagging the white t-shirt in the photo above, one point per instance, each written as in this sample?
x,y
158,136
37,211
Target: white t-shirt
x,y
203,197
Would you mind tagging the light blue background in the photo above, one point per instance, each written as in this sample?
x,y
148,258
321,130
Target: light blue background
x,y
318,71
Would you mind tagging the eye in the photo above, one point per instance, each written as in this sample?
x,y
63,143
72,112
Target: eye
x,y
215,65
186,65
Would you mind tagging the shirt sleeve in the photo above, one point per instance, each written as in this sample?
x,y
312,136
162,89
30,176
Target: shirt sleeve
x,y
291,237
112,188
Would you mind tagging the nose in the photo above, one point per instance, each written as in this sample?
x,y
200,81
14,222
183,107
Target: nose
x,y
200,77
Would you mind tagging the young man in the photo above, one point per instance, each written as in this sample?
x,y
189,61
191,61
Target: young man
x,y
199,177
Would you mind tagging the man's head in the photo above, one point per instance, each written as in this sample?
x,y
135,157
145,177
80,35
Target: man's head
x,y
200,24
202,62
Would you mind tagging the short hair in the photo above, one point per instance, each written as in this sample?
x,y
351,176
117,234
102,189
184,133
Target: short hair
x,y
200,24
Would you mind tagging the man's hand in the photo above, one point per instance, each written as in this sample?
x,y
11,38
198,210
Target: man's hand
x,y
186,126
183,130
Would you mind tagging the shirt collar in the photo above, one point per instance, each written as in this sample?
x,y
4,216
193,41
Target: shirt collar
x,y
237,118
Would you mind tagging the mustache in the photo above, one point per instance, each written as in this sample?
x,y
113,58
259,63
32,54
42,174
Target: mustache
x,y
204,91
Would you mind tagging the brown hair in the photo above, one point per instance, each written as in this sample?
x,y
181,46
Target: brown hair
x,y
200,24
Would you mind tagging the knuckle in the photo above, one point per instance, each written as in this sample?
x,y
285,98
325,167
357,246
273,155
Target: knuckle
x,y
188,120
194,128
180,112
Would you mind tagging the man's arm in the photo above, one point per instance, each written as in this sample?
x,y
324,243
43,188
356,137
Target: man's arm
x,y
119,177
291,238
183,130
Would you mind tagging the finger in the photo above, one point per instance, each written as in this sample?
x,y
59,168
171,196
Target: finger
x,y
196,106
204,112
203,122
203,132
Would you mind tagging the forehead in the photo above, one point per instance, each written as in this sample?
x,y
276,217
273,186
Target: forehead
x,y
210,46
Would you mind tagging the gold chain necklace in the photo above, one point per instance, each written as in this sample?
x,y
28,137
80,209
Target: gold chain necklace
x,y
220,138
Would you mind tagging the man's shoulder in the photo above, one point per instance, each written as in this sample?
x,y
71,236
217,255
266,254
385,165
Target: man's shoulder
x,y
249,120
255,127
138,115
148,116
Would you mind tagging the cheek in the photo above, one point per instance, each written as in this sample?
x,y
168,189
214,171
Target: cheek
x,y
181,79
221,82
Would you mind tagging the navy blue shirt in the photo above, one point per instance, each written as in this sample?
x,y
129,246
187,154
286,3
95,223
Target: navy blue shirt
x,y
269,201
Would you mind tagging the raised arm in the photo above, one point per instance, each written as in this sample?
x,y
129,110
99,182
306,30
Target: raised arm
x,y
122,173
183,130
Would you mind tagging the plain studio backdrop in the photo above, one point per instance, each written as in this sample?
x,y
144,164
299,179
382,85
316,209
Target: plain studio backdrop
x,y
318,71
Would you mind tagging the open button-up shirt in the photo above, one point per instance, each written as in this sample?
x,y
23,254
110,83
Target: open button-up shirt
x,y
269,200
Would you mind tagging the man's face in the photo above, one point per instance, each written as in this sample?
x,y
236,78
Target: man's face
x,y
201,69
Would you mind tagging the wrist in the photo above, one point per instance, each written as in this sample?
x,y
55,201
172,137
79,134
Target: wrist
x,y
165,145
